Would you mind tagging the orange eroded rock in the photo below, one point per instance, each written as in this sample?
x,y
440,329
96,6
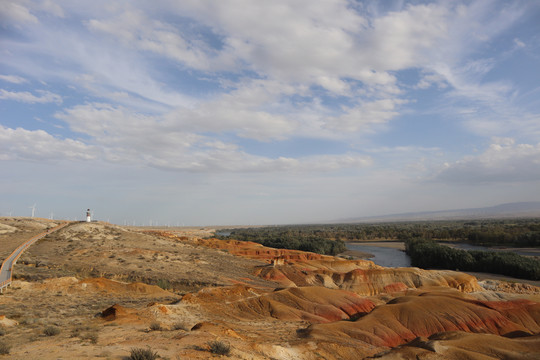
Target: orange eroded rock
x,y
294,268
4,321
461,345
103,284
315,304
367,281
73,285
120,313
395,287
428,313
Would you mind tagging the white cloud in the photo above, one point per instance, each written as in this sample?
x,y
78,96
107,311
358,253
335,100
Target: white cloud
x,y
127,137
13,79
231,159
519,43
327,40
329,44
505,123
404,39
253,110
456,61
134,29
51,7
324,43
17,144
271,60
503,161
364,116
16,12
27,97
429,80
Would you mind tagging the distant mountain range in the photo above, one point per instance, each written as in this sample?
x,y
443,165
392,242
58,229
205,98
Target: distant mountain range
x,y
510,210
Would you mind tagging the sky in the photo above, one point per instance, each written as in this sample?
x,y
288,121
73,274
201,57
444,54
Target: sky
x,y
221,112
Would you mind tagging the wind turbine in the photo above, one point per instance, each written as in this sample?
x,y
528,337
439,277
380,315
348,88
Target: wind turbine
x,y
33,207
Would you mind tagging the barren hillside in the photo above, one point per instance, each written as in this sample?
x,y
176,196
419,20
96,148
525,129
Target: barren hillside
x,y
91,291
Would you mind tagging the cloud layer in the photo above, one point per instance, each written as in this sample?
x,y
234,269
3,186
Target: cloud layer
x,y
419,92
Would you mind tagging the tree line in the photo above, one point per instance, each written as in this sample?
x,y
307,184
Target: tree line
x,y
428,254
287,238
515,232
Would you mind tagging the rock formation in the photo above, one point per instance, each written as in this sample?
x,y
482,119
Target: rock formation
x,y
279,304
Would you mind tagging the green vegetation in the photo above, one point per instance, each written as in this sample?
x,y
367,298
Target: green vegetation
x,y
318,238
143,354
290,237
428,254
164,284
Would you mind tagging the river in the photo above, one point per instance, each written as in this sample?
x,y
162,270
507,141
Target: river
x,y
389,254
383,256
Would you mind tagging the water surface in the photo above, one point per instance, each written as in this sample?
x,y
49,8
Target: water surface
x,y
383,256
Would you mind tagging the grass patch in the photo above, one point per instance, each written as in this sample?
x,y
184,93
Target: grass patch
x,y
51,331
180,326
219,347
164,284
143,354
155,326
92,337
4,348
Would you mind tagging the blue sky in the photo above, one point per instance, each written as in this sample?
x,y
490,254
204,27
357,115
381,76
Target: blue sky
x,y
264,112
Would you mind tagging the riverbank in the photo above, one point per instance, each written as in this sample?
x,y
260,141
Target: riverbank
x,y
356,255
392,252
394,244
383,253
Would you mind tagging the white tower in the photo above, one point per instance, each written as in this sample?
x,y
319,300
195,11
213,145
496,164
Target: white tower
x,y
88,216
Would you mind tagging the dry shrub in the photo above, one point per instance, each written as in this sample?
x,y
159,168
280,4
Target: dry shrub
x,y
4,348
143,354
51,331
219,347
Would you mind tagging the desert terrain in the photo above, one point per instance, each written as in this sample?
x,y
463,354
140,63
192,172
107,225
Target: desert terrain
x,y
96,290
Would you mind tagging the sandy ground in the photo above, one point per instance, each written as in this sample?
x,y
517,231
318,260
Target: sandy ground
x,y
100,249
486,276
14,231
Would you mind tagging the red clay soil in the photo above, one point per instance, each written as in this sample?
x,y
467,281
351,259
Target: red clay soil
x,y
461,345
314,304
408,317
294,268
367,281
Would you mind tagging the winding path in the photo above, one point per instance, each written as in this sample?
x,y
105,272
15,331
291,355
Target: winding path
x,y
7,266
